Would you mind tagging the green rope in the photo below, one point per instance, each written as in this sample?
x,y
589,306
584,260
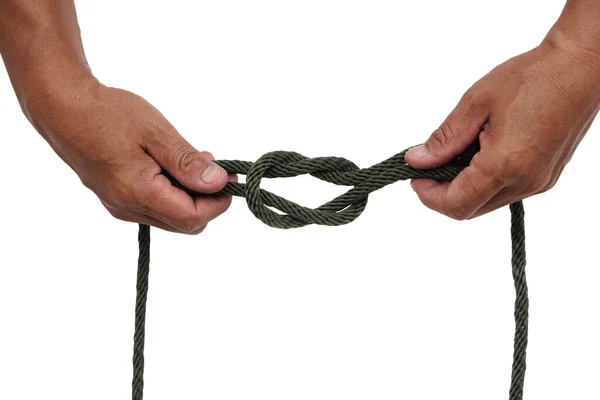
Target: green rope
x,y
341,210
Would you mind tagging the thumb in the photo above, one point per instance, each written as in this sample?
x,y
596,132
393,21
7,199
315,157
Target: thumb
x,y
455,134
193,169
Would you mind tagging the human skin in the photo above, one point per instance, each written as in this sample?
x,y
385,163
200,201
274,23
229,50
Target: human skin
x,y
529,113
114,140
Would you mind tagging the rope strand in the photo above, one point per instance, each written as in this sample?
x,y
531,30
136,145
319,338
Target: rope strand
x,y
341,210
140,312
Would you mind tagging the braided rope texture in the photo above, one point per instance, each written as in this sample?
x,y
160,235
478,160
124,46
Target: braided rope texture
x,y
339,211
140,312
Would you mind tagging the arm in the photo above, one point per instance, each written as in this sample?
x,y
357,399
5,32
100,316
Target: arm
x,y
115,141
530,114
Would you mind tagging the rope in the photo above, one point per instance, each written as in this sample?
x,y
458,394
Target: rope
x,y
140,311
339,211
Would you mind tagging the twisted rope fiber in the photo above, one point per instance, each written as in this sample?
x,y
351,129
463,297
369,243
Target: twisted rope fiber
x,y
339,211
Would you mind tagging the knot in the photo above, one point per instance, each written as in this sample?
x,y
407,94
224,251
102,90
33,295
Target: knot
x,y
285,164
337,170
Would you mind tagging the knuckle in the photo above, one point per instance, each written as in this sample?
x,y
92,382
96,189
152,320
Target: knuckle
x,y
457,212
479,163
513,168
475,97
463,209
191,225
471,96
199,230
550,184
189,160
121,196
208,155
86,181
151,139
492,172
541,183
152,134
184,226
118,213
546,188
442,135
145,173
525,170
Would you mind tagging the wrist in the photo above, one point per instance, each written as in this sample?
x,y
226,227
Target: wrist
x,y
58,101
49,89
581,57
577,33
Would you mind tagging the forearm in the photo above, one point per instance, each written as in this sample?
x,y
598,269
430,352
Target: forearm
x,y
40,43
580,21
578,30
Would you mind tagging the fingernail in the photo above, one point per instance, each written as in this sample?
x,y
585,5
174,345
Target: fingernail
x,y
211,173
419,151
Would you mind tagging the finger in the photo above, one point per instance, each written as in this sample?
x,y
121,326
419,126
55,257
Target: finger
x,y
230,177
174,207
509,195
191,168
501,199
139,219
455,134
464,196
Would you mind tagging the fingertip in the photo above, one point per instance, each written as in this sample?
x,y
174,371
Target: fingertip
x,y
429,191
212,179
414,154
210,207
419,157
422,185
225,200
418,152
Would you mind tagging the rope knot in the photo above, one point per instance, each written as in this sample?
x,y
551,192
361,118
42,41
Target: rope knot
x,y
285,164
337,170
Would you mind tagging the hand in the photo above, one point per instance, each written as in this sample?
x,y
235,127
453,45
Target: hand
x,y
529,113
117,143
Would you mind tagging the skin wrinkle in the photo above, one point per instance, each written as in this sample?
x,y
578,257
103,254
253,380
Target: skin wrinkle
x,y
583,53
98,131
535,109
587,108
541,105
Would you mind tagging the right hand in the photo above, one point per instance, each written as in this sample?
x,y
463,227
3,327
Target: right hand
x,y
117,144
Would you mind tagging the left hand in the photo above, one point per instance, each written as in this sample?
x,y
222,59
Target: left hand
x,y
530,114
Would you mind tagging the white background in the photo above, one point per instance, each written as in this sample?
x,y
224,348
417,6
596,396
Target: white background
x,y
401,304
